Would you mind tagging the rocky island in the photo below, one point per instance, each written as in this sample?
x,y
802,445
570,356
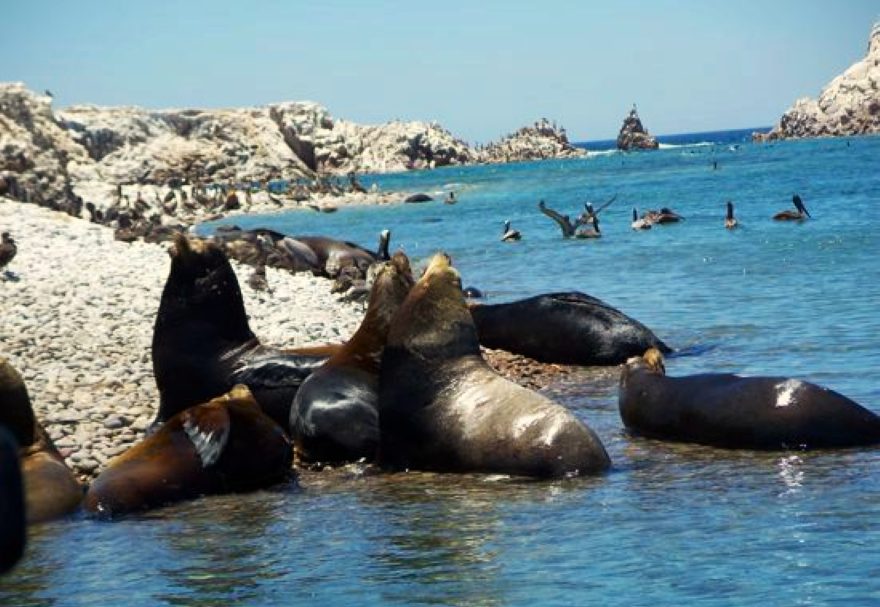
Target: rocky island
x,y
633,135
848,105
540,141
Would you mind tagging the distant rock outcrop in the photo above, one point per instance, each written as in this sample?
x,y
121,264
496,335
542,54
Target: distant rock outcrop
x,y
136,145
89,152
537,142
848,105
35,150
634,136
339,146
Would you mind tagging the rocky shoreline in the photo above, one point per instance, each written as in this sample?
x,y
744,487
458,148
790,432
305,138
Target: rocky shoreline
x,y
78,318
78,321
297,150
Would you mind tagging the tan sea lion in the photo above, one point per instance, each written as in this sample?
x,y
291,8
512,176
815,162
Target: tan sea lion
x,y
225,445
443,408
334,416
50,489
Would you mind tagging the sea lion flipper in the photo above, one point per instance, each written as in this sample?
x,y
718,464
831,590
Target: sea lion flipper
x,y
207,426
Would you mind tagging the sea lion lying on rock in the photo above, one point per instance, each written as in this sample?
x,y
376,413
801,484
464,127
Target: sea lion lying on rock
x,y
223,446
50,489
563,328
726,410
203,344
443,408
334,417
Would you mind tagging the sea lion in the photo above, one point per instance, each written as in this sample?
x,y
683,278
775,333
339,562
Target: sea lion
x,y
334,417
798,215
726,410
12,508
564,328
223,446
332,255
420,197
443,408
50,489
203,345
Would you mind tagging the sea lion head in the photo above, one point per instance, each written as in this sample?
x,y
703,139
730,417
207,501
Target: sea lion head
x,y
202,286
651,361
393,277
16,413
434,321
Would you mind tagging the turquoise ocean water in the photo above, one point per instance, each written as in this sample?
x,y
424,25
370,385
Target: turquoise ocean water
x,y
671,524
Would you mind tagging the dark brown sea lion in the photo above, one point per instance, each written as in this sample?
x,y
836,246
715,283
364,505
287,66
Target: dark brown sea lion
x,y
420,197
564,328
334,417
203,345
223,446
443,408
726,410
50,489
12,513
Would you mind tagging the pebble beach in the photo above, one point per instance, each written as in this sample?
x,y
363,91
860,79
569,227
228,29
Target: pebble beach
x,y
78,318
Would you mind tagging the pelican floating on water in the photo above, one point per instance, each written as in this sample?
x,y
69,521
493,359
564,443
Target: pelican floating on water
x,y
789,215
640,223
509,234
730,221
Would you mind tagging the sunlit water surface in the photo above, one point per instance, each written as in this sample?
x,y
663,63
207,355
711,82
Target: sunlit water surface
x,y
671,524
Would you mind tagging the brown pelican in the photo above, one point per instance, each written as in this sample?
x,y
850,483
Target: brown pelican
x,y
730,222
789,215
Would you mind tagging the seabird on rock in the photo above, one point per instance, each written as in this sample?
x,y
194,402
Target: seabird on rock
x,y
7,251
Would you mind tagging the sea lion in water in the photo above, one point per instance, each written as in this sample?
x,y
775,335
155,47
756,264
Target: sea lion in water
x,y
12,514
50,489
223,446
726,410
203,345
418,198
334,417
564,328
443,408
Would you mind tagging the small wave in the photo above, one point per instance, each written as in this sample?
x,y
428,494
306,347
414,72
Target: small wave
x,y
669,146
601,152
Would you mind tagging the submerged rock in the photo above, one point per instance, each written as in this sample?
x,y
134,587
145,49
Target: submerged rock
x,y
634,136
848,105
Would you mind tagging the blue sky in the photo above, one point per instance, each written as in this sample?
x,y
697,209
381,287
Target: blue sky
x,y
480,68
